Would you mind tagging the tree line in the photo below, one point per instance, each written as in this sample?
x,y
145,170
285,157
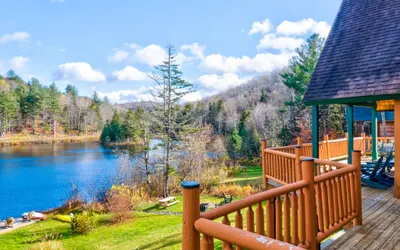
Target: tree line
x,y
33,108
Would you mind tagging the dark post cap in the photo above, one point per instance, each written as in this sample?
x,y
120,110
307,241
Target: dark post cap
x,y
297,146
357,151
308,159
190,184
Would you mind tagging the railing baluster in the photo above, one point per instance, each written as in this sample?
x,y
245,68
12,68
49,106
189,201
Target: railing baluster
x,y
278,218
225,220
325,205
271,219
335,200
250,219
286,205
348,193
352,192
295,225
319,208
260,219
330,203
207,243
344,195
239,224
302,219
340,198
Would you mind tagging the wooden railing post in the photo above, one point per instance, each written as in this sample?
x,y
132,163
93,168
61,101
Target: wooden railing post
x,y
363,146
310,205
328,149
191,212
264,163
357,183
298,152
299,140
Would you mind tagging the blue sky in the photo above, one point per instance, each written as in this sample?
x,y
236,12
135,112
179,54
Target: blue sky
x,y
111,46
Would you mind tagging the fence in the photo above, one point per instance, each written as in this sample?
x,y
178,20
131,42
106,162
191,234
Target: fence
x,y
297,215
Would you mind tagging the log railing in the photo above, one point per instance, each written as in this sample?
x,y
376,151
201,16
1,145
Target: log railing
x,y
331,149
368,142
298,215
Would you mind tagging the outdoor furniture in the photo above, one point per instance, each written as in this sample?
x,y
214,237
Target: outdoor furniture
x,y
204,206
227,200
169,201
369,174
9,222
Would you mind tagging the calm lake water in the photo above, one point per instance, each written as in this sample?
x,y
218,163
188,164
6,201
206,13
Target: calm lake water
x,y
39,177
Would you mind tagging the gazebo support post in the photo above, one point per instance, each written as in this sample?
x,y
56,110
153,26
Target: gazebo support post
x,y
396,143
374,131
315,131
350,141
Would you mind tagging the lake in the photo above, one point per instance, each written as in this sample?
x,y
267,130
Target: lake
x,y
39,177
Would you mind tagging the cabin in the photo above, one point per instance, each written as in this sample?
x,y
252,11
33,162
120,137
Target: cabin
x,y
320,196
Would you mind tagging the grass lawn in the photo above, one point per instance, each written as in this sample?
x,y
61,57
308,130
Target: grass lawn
x,y
252,176
144,231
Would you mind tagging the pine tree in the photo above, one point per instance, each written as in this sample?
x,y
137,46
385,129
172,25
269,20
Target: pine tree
x,y
33,101
298,77
53,105
169,89
95,106
132,126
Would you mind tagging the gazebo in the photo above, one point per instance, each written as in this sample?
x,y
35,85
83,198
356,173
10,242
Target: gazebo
x,y
360,66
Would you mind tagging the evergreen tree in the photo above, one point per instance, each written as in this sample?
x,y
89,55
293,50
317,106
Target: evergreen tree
x,y
298,77
95,106
235,143
53,105
8,107
263,97
33,101
168,91
132,126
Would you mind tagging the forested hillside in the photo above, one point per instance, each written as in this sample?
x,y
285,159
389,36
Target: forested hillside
x,y
34,108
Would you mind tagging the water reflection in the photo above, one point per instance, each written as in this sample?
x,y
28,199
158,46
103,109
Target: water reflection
x,y
38,177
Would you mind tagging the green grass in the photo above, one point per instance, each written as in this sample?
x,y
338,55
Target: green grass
x,y
252,176
144,231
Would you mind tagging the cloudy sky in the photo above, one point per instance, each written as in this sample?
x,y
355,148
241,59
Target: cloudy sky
x,y
111,46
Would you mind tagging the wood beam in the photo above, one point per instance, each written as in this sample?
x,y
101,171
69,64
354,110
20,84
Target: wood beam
x,y
350,141
315,131
397,143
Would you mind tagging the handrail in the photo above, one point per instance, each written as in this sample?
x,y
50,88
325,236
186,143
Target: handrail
x,y
287,155
239,237
327,162
252,200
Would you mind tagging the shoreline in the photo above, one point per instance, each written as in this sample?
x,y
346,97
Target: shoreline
x,y
31,139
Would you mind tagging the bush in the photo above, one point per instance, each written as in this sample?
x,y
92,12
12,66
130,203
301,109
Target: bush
x,y
48,245
232,189
82,223
122,199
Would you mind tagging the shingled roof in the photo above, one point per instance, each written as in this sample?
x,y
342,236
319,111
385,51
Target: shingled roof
x,y
361,56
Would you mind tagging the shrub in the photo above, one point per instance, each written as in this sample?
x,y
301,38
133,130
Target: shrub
x,y
47,245
122,199
82,223
232,189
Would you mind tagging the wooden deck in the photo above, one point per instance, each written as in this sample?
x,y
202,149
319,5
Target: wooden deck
x,y
381,223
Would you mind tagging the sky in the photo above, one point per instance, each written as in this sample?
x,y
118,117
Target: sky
x,y
112,46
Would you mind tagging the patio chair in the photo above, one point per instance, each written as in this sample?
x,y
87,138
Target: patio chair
x,y
369,174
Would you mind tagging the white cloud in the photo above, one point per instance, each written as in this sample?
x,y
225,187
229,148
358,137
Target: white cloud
x,y
271,41
78,71
192,97
221,82
261,63
18,62
16,36
196,49
304,26
129,73
261,27
122,96
134,46
119,56
150,55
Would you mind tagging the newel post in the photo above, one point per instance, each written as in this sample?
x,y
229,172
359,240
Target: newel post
x,y
298,152
264,162
309,197
191,212
357,183
328,147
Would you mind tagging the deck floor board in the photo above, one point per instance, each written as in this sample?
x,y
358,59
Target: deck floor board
x,y
381,224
